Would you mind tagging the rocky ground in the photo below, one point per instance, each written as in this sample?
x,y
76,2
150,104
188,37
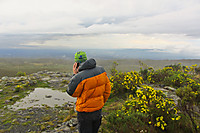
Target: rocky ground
x,y
43,119
60,119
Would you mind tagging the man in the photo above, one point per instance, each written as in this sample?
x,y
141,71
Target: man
x,y
91,86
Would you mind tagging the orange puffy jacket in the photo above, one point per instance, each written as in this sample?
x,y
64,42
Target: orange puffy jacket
x,y
91,86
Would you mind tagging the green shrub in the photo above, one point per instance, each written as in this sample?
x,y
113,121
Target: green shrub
x,y
179,77
20,74
189,98
197,70
159,76
144,73
176,80
126,82
150,111
113,69
175,67
122,123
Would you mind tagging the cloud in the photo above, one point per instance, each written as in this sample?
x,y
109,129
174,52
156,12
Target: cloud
x,y
106,16
101,41
18,40
169,43
167,25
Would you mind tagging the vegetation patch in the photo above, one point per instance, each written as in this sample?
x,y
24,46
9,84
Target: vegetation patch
x,y
145,109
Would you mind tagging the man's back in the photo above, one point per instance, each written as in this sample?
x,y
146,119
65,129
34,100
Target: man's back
x,y
91,87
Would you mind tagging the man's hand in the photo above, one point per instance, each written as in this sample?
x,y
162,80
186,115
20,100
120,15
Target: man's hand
x,y
75,70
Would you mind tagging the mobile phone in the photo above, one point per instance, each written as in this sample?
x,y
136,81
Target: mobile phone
x,y
78,64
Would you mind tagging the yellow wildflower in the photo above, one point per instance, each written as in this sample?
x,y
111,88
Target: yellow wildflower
x,y
158,124
162,127
161,118
177,118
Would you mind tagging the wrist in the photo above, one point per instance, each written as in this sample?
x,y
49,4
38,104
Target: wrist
x,y
75,72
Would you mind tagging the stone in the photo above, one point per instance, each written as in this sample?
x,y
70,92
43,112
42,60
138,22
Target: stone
x,y
23,82
31,82
161,85
74,122
46,79
57,99
169,88
1,90
56,75
65,86
61,85
5,78
66,129
8,83
59,125
65,75
66,78
49,72
196,109
53,81
48,96
16,96
40,72
7,101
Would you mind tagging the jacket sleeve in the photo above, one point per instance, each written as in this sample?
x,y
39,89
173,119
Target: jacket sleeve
x,y
75,86
107,90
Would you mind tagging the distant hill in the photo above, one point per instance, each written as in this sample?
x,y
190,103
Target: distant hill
x,y
95,53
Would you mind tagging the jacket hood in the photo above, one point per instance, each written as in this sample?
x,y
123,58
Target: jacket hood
x,y
88,64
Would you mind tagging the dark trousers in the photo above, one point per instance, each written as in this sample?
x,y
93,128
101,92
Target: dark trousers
x,y
89,122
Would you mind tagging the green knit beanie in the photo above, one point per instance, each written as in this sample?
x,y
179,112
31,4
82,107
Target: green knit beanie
x,y
80,57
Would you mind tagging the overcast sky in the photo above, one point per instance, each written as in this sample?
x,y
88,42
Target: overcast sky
x,y
163,25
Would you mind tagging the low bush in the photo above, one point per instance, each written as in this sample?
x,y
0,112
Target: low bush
x,y
20,74
150,111
122,123
172,75
123,83
189,100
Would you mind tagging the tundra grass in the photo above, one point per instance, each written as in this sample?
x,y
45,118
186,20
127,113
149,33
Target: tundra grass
x,y
10,66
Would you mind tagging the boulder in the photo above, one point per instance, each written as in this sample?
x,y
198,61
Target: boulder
x,y
5,78
169,88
